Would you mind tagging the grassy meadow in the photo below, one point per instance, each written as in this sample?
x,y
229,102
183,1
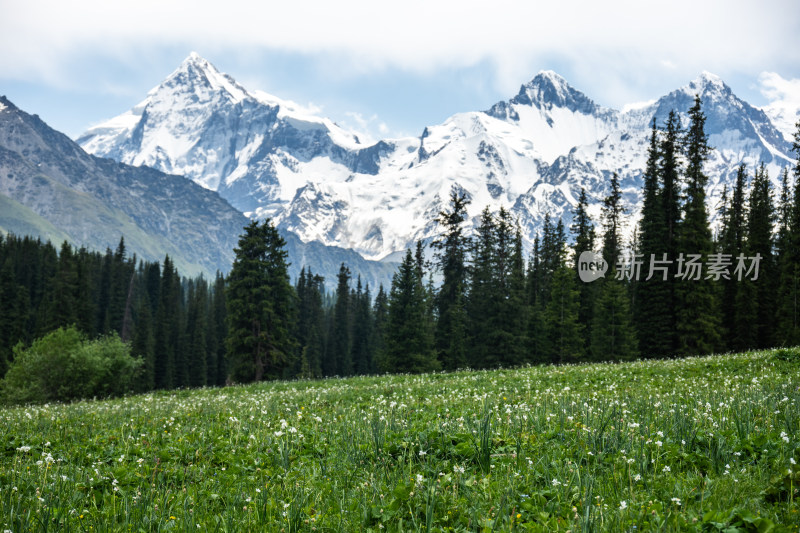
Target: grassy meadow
x,y
699,444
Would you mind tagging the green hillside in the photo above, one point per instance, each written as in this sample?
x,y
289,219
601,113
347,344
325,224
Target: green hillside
x,y
698,444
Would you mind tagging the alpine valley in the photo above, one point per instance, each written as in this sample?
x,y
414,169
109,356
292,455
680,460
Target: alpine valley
x,y
52,189
334,197
531,154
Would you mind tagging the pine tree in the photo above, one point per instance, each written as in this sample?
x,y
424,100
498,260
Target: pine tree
x,y
654,307
218,368
535,304
260,306
380,312
612,333
196,330
340,357
409,342
362,330
761,217
788,307
698,318
167,332
583,230
732,242
480,295
563,339
451,249
143,345
612,222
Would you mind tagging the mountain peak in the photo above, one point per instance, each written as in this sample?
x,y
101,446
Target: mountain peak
x,y
708,82
548,89
197,74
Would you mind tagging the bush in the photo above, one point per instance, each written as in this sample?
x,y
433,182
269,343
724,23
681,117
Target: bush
x,y
63,365
788,354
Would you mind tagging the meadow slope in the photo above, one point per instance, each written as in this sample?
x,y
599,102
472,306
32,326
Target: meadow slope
x,y
677,445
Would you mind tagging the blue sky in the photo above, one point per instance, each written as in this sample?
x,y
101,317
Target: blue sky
x,y
390,69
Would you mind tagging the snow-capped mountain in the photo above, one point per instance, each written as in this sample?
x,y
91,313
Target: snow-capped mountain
x,y
532,153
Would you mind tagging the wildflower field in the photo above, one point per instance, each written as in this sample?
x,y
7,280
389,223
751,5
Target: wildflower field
x,y
699,444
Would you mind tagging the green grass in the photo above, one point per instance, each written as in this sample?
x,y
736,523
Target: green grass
x,y
701,444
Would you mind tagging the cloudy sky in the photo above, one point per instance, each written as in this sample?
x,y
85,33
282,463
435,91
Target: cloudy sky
x,y
390,68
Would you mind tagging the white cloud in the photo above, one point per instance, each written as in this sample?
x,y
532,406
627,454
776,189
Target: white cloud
x,y
784,101
775,87
418,35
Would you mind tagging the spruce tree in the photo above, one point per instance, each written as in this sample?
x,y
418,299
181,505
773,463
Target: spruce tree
x,y
731,243
698,318
563,334
362,330
167,328
260,304
654,308
380,312
218,373
480,295
450,258
409,342
760,242
196,331
788,307
341,361
583,230
612,334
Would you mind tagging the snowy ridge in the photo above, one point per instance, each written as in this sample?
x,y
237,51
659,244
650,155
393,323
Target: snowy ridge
x,y
532,153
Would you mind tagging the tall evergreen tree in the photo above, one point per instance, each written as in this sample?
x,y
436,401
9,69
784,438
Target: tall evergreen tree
x,y
218,373
654,308
409,343
450,257
362,330
380,313
167,332
583,230
563,334
259,305
340,361
788,307
760,242
698,318
612,334
196,330
480,295
731,243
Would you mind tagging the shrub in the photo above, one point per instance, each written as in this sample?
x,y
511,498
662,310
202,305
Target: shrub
x,y
788,354
63,365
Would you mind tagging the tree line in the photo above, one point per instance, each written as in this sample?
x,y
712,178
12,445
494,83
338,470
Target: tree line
x,y
478,301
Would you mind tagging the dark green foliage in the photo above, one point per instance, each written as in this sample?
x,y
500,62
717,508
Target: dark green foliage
x,y
451,250
760,242
260,306
583,230
732,243
409,338
697,309
653,311
380,313
63,365
196,330
362,330
339,360
310,324
563,334
612,334
788,307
